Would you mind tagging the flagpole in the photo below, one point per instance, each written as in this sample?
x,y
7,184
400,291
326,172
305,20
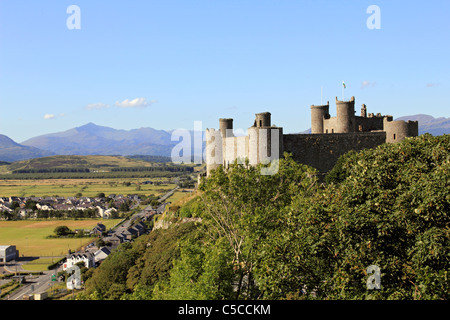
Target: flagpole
x,y
342,90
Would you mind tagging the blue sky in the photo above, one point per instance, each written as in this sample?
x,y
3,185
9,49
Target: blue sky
x,y
167,63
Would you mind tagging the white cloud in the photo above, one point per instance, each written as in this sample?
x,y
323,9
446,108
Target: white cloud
x,y
49,116
367,84
99,105
429,85
135,103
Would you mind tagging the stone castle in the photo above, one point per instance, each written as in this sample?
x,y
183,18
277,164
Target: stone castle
x,y
330,137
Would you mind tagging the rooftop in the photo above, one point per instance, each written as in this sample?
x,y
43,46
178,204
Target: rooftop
x,y
3,247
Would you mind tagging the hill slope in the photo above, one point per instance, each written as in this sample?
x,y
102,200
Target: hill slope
x,y
11,151
104,163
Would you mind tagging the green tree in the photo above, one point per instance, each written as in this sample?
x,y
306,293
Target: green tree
x,y
30,204
203,272
109,279
390,211
162,248
243,206
340,170
14,205
61,231
124,207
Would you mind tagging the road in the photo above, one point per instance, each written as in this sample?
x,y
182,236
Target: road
x,y
35,284
160,209
168,194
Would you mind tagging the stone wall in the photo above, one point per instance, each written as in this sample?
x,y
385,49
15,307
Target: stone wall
x,y
321,151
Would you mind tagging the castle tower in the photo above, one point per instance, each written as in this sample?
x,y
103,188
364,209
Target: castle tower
x,y
226,127
398,130
318,114
265,141
345,115
363,111
213,150
262,119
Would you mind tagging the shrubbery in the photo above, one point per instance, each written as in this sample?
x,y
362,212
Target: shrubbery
x,y
285,236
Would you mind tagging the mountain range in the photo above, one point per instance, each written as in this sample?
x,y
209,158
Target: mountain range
x,y
92,139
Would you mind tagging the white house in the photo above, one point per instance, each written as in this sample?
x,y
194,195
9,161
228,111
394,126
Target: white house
x,y
74,258
26,213
5,208
43,207
101,211
107,213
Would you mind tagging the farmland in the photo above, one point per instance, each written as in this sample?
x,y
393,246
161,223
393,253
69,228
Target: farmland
x,y
87,187
66,176
29,236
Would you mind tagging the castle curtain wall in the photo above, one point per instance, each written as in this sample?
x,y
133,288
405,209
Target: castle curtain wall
x,y
321,151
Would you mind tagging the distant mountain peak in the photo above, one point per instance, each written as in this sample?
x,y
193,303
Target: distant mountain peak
x,y
89,124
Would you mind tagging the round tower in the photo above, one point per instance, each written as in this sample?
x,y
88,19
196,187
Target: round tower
x,y
226,127
318,115
398,130
265,144
345,114
213,150
262,119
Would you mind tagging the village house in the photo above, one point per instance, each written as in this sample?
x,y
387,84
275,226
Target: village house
x,y
113,240
99,229
43,207
87,258
101,254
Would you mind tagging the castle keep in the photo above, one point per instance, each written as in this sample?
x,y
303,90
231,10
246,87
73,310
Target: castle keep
x,y
330,137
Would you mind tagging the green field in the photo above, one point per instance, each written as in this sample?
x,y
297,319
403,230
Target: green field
x,y
65,176
177,196
29,236
87,187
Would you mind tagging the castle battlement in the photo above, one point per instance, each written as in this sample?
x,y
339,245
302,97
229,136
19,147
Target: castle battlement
x,y
330,137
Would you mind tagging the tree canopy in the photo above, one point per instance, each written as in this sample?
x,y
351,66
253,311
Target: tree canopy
x,y
288,236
